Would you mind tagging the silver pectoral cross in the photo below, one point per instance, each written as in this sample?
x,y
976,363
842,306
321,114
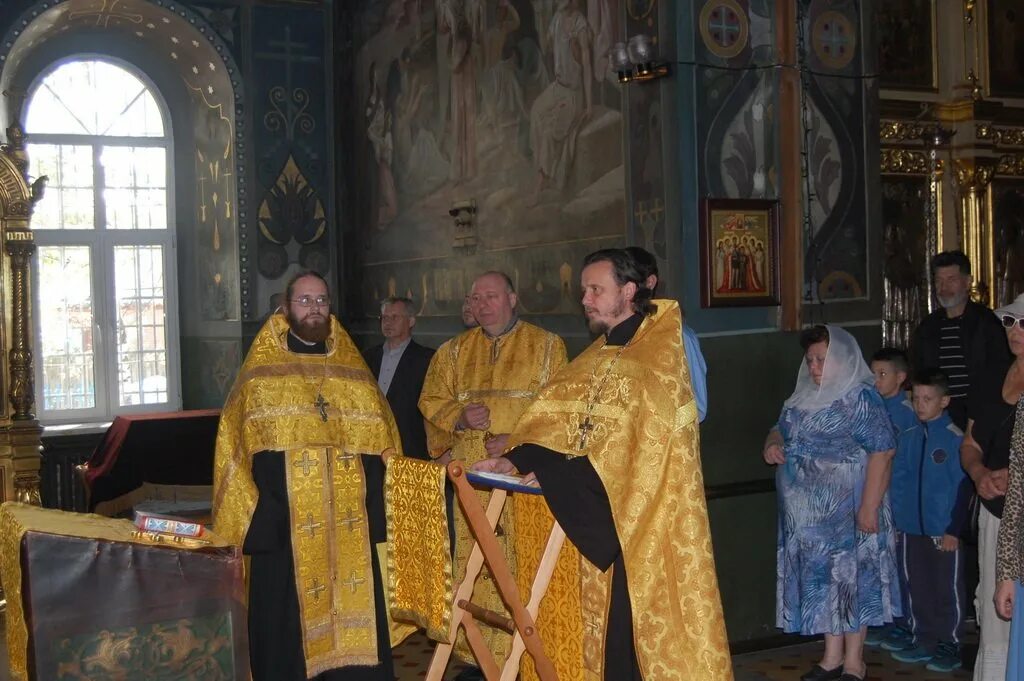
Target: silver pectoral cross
x,y
321,405
585,429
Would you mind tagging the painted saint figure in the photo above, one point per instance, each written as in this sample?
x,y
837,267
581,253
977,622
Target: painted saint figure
x,y
456,22
565,105
378,130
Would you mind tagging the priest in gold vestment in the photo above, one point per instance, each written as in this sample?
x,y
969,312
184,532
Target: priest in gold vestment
x,y
613,443
298,484
476,387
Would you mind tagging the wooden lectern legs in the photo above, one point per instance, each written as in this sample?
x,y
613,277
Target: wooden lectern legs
x,y
487,550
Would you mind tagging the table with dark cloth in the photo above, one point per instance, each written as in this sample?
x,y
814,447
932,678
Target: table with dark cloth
x,y
170,448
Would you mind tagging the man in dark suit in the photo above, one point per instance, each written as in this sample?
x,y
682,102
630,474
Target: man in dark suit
x,y
400,364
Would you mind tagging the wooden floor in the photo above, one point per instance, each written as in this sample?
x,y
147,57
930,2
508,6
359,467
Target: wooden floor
x,y
780,664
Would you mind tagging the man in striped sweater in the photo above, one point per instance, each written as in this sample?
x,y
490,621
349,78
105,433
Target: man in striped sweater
x,y
961,337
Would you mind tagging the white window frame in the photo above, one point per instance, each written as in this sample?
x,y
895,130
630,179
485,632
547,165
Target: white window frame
x,y
101,243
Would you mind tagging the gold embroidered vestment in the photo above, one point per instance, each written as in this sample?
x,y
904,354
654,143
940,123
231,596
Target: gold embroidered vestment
x,y
644,445
504,373
273,406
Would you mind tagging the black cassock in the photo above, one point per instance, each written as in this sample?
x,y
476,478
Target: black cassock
x,y
275,630
577,498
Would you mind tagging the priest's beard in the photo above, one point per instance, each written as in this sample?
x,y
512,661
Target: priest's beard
x,y
314,328
599,326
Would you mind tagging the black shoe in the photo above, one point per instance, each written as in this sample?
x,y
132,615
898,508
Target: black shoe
x,y
819,673
471,674
847,676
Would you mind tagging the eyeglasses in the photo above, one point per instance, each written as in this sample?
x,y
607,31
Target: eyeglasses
x,y
309,301
1009,321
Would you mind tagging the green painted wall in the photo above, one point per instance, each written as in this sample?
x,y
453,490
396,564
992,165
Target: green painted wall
x,y
749,377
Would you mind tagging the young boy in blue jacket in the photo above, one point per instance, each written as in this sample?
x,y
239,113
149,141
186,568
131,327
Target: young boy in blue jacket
x,y
891,367
926,475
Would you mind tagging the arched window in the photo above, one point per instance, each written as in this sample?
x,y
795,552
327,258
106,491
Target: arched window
x,y
104,279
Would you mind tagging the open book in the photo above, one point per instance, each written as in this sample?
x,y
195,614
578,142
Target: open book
x,y
512,483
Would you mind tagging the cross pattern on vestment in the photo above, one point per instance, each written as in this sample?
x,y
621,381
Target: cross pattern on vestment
x,y
316,589
310,525
345,458
305,463
350,520
585,428
593,625
353,581
321,406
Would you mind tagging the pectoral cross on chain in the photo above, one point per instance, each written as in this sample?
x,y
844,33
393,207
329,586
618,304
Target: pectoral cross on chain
x,y
321,405
585,429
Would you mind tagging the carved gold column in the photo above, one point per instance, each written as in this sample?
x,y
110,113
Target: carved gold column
x,y
20,433
935,141
20,248
973,176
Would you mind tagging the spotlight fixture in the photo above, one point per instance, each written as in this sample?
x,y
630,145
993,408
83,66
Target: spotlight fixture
x,y
636,61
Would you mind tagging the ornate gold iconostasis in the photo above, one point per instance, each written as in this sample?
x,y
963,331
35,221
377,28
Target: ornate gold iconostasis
x,y
19,431
952,151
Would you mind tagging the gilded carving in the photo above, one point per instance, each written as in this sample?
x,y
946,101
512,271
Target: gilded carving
x,y
1010,164
976,174
1013,137
15,148
26,488
905,161
21,392
901,131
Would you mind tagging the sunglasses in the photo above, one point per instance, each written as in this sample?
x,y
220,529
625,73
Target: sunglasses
x,y
1009,321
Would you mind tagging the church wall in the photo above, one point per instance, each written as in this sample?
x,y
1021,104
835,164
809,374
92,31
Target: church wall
x,y
728,136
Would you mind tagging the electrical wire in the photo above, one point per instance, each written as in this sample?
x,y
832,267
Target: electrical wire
x,y
800,67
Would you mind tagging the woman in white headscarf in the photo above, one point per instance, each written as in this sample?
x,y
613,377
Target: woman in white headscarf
x,y
833,445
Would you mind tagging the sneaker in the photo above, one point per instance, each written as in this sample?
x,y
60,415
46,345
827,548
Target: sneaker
x,y
898,639
877,635
946,659
915,654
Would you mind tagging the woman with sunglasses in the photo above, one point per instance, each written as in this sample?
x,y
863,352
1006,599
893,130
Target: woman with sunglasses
x,y
992,409
1010,549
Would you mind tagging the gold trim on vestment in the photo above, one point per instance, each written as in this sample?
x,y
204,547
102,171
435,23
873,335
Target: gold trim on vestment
x,y
331,543
469,395
645,447
419,550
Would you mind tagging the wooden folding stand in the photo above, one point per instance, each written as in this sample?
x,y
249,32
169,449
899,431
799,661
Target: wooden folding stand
x,y
522,624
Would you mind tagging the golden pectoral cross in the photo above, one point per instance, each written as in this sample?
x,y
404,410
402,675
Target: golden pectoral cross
x,y
321,405
585,429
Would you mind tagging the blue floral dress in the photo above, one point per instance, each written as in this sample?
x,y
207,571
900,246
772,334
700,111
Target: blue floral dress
x,y
833,579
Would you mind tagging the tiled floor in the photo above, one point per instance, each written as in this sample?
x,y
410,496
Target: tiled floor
x,y
780,664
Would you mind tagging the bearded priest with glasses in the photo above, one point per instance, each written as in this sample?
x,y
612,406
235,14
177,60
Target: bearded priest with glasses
x,y
298,484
